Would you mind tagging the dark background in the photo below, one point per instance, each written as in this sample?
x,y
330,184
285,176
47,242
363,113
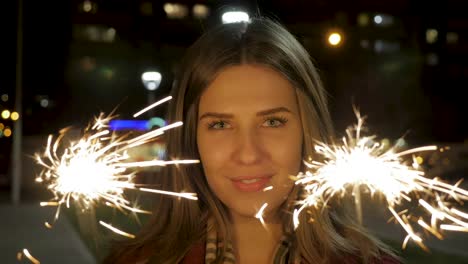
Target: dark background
x,y
84,57
408,74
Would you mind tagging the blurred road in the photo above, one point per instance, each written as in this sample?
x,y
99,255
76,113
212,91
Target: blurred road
x,y
23,227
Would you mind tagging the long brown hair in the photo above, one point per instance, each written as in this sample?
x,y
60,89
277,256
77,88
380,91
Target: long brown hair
x,y
179,223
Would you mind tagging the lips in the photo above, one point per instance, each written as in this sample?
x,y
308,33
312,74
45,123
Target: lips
x,y
251,183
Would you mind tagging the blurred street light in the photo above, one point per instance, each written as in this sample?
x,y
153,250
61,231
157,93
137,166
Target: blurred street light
x,y
200,11
151,80
175,10
334,38
431,35
378,19
7,132
14,116
89,7
5,114
383,20
235,17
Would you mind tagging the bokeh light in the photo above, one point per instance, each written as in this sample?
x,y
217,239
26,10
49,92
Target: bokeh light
x,y
5,114
14,116
200,11
7,132
235,17
334,38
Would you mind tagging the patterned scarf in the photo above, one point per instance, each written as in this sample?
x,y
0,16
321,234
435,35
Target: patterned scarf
x,y
283,252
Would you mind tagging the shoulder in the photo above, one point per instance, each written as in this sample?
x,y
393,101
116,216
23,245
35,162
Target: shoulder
x,y
196,254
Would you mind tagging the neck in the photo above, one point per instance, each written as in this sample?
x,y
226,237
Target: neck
x,y
254,241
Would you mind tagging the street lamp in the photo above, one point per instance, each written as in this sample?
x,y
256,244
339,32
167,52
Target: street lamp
x,y
151,80
235,17
334,38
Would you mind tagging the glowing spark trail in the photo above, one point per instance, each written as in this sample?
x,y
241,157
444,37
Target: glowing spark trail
x,y
116,230
96,168
360,163
152,106
259,215
28,255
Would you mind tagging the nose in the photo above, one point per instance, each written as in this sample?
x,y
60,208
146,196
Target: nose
x,y
249,148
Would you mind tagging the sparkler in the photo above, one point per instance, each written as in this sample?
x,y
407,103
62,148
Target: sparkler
x,y
96,168
361,163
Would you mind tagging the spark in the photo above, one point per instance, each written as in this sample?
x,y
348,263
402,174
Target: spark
x,y
191,196
96,168
152,106
116,230
28,255
360,163
259,214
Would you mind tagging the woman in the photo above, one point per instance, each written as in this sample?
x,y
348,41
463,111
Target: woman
x,y
252,105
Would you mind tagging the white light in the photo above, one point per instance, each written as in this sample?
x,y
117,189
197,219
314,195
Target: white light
x,y
151,80
235,17
334,38
378,19
4,97
44,103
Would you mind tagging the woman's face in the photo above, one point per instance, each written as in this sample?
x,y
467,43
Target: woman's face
x,y
249,137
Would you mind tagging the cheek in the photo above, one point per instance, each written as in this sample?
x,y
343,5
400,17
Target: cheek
x,y
213,151
286,151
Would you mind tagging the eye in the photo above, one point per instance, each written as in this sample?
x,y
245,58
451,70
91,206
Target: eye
x,y
275,122
218,125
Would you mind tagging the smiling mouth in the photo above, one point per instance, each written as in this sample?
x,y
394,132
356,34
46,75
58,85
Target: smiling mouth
x,y
250,181
250,184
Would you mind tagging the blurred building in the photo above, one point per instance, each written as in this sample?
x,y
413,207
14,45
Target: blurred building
x,y
402,63
390,62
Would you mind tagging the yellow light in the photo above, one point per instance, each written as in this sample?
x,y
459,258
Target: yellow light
x,y
7,132
200,11
419,160
5,114
334,38
431,35
14,116
2,126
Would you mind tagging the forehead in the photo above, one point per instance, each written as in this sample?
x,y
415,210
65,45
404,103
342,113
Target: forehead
x,y
250,86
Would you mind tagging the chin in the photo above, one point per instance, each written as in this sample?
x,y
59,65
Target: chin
x,y
245,212
251,209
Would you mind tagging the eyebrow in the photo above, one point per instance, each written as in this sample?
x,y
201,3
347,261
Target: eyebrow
x,y
261,113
